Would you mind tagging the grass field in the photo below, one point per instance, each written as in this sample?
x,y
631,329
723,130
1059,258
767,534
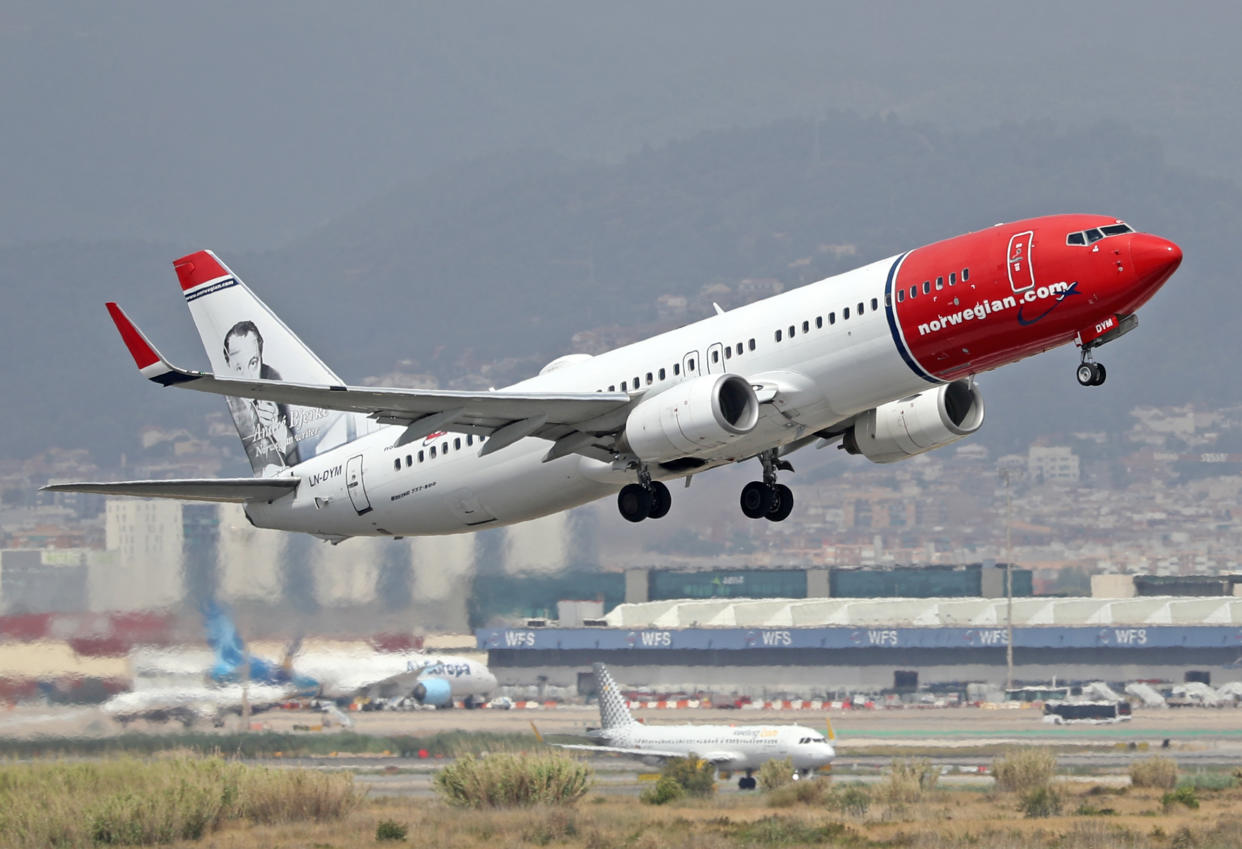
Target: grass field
x,y
190,800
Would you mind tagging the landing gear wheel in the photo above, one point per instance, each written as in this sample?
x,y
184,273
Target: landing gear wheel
x,y
1101,374
782,503
1088,374
634,502
747,782
757,499
661,500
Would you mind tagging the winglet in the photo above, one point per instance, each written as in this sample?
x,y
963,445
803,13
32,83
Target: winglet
x,y
538,736
832,735
149,361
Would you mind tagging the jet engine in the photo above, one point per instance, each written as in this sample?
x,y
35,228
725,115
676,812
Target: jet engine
x,y
930,419
692,418
433,691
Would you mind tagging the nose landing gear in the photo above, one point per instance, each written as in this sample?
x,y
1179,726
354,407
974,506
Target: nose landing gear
x,y
767,498
1091,373
646,499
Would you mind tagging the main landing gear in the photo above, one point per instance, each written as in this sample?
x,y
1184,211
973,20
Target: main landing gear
x,y
646,499
1091,373
767,498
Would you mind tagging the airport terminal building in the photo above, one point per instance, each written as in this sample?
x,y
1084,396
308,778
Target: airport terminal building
x,y
817,647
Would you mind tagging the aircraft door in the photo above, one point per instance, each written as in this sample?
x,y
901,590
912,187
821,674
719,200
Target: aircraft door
x,y
690,364
353,483
715,358
1021,274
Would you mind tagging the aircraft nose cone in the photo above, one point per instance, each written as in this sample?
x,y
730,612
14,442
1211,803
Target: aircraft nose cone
x,y
1154,258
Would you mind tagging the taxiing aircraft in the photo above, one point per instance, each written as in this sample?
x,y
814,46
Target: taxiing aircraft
x,y
882,359
742,748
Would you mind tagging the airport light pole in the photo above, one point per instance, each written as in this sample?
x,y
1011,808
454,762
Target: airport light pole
x,y
1005,475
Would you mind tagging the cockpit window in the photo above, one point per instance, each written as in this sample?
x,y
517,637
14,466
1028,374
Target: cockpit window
x,y
1087,237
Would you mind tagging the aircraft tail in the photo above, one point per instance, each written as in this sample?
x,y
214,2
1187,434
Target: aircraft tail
x,y
613,712
245,339
225,641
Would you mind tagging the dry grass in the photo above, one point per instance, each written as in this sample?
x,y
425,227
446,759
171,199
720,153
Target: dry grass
x,y
1023,770
134,802
1154,772
510,779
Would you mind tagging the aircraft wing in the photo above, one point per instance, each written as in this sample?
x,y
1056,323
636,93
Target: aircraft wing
x,y
712,757
235,490
579,422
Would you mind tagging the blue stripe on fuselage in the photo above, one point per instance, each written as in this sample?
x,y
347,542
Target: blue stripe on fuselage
x,y
889,303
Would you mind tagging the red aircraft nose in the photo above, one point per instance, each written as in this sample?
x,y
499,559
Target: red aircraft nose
x,y
1154,259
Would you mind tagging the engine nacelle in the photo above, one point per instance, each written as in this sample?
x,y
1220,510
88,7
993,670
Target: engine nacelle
x,y
433,691
931,419
693,418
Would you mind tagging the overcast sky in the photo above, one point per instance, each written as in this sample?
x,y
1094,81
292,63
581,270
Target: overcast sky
x,y
241,125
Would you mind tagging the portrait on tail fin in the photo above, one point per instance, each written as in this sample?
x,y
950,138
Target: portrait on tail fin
x,y
264,426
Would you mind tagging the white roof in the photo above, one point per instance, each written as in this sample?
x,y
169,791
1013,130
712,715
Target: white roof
x,y
926,612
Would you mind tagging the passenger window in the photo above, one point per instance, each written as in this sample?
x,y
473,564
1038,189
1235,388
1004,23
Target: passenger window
x,y
661,374
752,344
470,439
397,464
914,291
901,295
832,318
636,382
926,287
648,378
690,366
444,448
433,452
457,444
965,274
739,349
778,336
860,308
715,356
729,353
875,304
623,389
845,314
806,327
409,461
939,283
676,369
420,456
792,331
612,388
952,278
819,322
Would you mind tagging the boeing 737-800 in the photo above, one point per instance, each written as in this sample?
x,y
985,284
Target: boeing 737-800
x,y
882,358
739,748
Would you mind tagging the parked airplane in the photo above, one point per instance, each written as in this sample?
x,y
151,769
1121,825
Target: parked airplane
x,y
729,747
882,359
189,705
429,679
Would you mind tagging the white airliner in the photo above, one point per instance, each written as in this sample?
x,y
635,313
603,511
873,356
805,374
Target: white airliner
x,y
742,748
189,705
882,359
436,680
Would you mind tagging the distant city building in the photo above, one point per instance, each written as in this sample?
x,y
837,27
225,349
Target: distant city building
x,y
1052,463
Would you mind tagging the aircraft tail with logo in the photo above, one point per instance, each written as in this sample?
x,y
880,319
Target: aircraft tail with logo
x,y
613,712
245,339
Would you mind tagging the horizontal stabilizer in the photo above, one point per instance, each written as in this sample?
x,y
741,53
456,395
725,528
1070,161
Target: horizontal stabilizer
x,y
236,490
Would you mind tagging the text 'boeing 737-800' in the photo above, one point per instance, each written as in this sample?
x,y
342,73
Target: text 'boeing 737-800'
x,y
882,358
